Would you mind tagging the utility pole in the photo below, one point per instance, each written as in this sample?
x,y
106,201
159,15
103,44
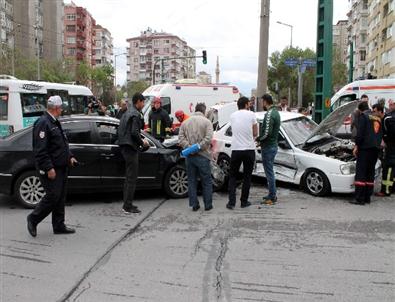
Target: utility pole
x,y
13,49
300,83
37,41
263,52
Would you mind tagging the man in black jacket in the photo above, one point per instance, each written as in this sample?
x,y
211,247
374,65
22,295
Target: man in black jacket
x,y
159,121
52,157
130,142
367,146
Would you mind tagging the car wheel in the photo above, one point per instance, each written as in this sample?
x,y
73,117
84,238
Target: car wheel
x,y
28,190
176,182
316,183
224,163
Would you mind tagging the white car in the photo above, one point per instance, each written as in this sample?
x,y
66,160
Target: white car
x,y
308,154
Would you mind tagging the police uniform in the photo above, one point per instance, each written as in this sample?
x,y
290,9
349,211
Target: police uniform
x,y
51,151
368,140
387,185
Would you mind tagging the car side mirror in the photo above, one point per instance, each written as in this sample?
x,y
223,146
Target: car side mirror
x,y
283,144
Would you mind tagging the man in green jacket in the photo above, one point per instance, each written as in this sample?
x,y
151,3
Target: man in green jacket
x,y
268,139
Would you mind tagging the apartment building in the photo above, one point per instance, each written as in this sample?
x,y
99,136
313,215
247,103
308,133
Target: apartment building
x,y
53,29
6,23
357,33
79,34
103,47
381,41
340,39
145,51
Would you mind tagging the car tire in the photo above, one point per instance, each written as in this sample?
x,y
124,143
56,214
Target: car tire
x,y
316,183
28,190
176,182
223,162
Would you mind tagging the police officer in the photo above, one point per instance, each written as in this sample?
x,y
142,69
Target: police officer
x,y
387,184
367,146
159,121
130,142
52,158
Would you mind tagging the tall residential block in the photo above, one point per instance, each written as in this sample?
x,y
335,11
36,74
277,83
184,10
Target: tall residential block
x,y
103,47
145,51
381,41
340,40
38,28
6,24
79,34
358,32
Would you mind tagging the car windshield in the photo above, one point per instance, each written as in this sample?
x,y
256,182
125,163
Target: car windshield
x,y
147,103
299,129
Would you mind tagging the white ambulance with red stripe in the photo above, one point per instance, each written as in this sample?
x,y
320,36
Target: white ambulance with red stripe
x,y
374,89
185,96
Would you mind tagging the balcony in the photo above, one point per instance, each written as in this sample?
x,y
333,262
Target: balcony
x,y
81,33
81,45
79,56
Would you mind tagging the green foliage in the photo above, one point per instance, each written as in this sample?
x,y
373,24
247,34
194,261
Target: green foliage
x,y
287,77
131,88
339,71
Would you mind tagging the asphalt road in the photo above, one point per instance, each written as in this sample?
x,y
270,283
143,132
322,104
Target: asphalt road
x,y
301,249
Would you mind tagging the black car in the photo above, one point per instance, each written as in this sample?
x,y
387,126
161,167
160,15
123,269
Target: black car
x,y
92,141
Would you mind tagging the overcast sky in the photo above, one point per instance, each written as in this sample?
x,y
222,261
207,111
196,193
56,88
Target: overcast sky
x,y
225,28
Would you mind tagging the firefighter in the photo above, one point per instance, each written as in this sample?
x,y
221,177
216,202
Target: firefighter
x,y
367,146
181,116
159,121
387,184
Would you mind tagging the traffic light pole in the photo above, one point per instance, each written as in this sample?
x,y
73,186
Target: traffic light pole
x,y
162,60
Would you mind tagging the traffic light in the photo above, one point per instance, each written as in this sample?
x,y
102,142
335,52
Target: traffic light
x,y
204,53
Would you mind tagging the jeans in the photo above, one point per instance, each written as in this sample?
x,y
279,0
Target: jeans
x,y
131,172
268,155
247,157
199,166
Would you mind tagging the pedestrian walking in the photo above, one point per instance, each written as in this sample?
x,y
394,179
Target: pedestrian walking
x,y
52,158
131,144
268,140
387,184
244,131
366,150
355,117
198,130
159,121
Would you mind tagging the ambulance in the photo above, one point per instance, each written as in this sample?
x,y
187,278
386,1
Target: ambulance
x,y
185,96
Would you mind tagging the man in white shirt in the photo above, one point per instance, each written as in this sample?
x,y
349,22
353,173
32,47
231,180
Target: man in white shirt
x,y
244,131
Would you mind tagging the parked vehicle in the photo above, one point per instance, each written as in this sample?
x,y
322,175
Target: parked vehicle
x,y
219,114
375,90
22,102
182,96
92,141
308,153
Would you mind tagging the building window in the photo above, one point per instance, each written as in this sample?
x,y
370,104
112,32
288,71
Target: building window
x,y
167,50
70,17
167,41
136,60
362,55
156,42
71,51
70,40
363,38
70,28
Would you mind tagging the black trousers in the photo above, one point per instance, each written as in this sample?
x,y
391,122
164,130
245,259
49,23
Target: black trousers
x,y
53,201
387,184
247,157
364,174
131,172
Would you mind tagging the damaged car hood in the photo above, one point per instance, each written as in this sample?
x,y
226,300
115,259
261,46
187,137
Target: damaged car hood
x,y
333,121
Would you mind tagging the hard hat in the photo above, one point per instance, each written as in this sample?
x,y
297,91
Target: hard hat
x,y
179,113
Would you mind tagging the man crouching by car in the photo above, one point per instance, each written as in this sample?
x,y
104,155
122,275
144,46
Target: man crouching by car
x,y
130,142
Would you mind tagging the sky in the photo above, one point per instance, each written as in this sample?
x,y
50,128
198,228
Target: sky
x,y
225,28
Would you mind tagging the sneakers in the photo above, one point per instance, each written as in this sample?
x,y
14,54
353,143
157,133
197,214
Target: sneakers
x,y
130,210
229,206
195,208
209,208
269,201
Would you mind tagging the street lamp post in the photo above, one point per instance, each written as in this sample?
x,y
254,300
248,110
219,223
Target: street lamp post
x,y
115,66
288,25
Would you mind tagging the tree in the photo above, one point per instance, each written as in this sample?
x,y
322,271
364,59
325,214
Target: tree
x,y
287,77
339,71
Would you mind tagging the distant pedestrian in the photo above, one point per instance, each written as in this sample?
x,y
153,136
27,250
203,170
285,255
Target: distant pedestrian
x,y
244,131
198,130
388,179
303,110
159,122
366,150
268,140
252,104
284,104
355,117
122,109
131,144
52,158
